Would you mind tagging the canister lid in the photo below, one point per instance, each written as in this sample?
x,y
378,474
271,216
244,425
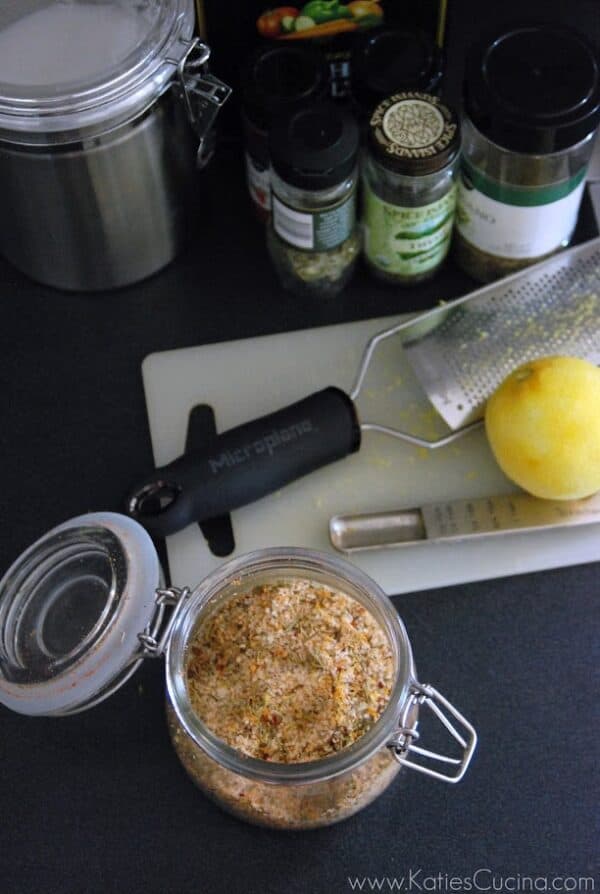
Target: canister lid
x,y
71,610
68,65
414,133
279,79
391,61
315,147
534,89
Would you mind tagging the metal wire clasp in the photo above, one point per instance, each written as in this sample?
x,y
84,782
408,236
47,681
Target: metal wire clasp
x,y
403,741
153,639
203,94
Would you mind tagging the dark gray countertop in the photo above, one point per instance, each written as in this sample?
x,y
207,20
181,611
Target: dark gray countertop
x,y
98,802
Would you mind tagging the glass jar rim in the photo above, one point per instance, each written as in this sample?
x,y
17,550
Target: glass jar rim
x,y
543,157
32,115
412,180
290,194
306,563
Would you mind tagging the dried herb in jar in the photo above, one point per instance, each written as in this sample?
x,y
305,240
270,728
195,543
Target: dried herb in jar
x,y
409,188
527,139
313,237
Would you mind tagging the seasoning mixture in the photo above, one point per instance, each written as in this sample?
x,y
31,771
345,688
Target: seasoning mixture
x,y
287,806
321,272
290,672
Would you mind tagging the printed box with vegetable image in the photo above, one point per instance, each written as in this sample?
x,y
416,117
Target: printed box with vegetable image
x,y
334,27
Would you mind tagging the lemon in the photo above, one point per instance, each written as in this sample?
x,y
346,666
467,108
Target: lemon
x,y
543,425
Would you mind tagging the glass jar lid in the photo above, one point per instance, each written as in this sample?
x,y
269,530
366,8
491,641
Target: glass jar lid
x,y
413,133
315,147
68,65
534,89
72,608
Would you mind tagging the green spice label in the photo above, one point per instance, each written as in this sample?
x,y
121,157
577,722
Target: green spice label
x,y
316,231
516,221
407,241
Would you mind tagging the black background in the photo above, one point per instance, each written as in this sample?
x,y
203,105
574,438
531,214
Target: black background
x,y
98,802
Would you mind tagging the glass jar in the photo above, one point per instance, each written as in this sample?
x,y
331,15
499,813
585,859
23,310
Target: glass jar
x,y
313,238
409,187
275,81
83,606
301,795
528,135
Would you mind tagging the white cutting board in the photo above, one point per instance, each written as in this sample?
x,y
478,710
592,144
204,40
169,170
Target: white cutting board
x,y
248,378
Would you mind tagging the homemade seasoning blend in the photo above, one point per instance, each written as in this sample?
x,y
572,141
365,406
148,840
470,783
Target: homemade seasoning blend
x,y
289,672
291,669
409,188
313,238
532,105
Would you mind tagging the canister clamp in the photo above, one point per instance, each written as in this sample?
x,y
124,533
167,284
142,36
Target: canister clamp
x,y
203,94
154,639
403,741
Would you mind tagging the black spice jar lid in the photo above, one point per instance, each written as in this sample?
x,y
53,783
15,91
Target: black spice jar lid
x,y
414,133
315,147
281,78
393,60
534,89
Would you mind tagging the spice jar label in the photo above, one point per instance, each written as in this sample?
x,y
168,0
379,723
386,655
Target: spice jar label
x,y
407,241
259,183
516,221
318,230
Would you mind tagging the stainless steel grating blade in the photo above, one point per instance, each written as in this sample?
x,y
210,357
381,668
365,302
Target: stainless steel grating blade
x,y
551,308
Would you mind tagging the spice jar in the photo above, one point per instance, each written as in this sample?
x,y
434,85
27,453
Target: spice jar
x,y
409,187
82,607
532,105
313,238
390,61
276,80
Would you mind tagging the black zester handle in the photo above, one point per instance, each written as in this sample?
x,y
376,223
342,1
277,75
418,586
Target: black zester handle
x,y
247,463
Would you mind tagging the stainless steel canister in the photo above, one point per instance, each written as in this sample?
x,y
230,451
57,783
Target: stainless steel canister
x,y
104,110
